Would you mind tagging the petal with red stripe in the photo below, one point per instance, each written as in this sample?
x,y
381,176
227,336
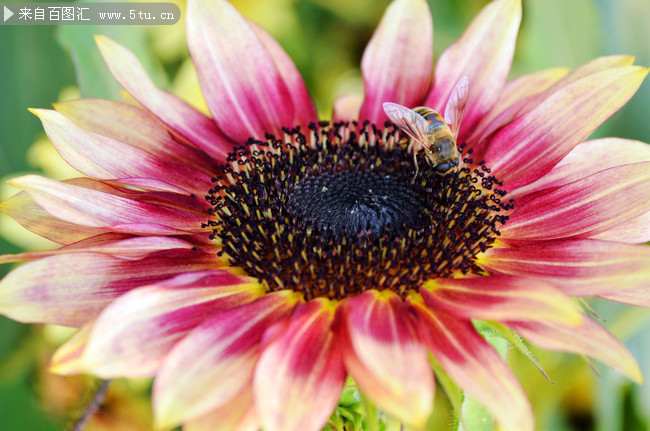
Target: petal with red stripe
x,y
580,267
593,66
93,208
635,230
583,208
243,88
178,114
22,208
304,108
300,375
516,94
586,159
72,289
117,245
589,339
215,362
534,142
398,61
544,89
133,334
501,297
139,128
483,54
475,366
383,354
105,158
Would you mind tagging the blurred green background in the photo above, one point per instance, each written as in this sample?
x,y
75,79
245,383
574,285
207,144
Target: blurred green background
x,y
42,64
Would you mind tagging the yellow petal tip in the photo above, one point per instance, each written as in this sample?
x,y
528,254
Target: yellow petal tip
x,y
102,41
635,374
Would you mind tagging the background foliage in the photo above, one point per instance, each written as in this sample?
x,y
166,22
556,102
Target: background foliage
x,y
326,38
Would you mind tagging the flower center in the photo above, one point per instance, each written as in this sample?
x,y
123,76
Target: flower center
x,y
334,212
357,202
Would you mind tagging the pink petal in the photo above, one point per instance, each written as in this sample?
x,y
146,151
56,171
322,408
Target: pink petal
x,y
528,85
133,334
579,267
178,114
500,297
630,296
215,361
515,96
192,204
117,245
304,108
476,367
129,248
589,339
105,158
300,375
593,66
237,415
544,90
586,159
153,185
72,289
22,208
377,334
529,146
635,230
92,208
583,208
347,107
139,128
398,60
483,54
243,88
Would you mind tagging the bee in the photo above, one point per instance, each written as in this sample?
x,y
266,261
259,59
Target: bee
x,y
432,134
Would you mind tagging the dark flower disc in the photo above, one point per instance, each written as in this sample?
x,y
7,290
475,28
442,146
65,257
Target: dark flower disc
x,y
334,212
355,202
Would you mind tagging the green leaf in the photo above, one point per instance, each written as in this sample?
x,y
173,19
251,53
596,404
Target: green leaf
x,y
19,407
348,415
33,71
93,77
475,417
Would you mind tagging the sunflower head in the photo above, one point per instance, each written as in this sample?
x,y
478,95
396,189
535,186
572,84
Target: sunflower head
x,y
336,212
254,259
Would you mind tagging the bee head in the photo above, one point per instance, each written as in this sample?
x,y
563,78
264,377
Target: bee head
x,y
447,167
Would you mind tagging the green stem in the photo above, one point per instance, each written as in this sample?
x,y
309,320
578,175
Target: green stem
x,y
474,417
454,394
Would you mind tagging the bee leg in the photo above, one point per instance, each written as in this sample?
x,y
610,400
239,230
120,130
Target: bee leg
x,y
417,168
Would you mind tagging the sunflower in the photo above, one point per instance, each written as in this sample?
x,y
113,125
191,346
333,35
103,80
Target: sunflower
x,y
253,260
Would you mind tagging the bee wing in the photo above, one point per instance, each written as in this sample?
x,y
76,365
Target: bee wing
x,y
456,105
412,123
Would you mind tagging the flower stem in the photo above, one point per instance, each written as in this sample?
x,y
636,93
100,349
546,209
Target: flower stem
x,y
93,403
474,417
